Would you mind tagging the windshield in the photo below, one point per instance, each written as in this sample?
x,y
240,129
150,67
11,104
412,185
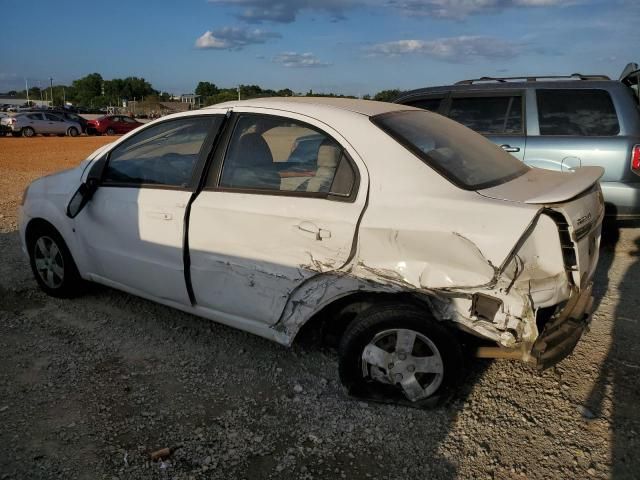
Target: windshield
x,y
461,155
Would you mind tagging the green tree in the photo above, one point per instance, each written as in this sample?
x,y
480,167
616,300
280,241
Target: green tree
x,y
387,95
206,89
87,88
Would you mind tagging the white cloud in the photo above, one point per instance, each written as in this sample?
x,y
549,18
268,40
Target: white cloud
x,y
286,11
299,60
233,38
464,8
452,49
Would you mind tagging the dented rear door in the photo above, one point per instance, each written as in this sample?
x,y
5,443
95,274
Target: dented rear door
x,y
260,229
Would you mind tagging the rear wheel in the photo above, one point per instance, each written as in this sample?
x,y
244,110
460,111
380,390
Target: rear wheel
x,y
28,132
400,354
111,131
52,263
72,132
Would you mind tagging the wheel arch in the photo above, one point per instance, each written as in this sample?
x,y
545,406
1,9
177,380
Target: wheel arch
x,y
330,318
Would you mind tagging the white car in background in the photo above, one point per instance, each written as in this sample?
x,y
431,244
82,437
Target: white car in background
x,y
404,231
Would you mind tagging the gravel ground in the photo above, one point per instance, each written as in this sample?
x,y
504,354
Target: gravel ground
x,y
89,386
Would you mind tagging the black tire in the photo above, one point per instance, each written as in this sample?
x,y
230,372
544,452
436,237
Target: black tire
x,y
28,132
65,285
111,131
72,132
382,319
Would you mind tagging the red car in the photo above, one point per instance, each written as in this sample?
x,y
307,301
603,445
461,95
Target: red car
x,y
111,125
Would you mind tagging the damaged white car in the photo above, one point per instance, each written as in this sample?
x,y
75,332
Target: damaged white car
x,y
401,230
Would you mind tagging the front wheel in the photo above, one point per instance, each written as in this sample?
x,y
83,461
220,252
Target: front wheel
x,y
52,264
111,131
400,354
28,132
72,132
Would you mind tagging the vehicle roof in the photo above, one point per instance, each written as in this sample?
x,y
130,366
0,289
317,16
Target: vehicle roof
x,y
510,85
307,104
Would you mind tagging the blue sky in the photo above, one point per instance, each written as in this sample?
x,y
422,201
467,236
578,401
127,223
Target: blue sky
x,y
344,46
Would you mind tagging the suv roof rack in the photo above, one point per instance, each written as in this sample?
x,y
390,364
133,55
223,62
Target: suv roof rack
x,y
533,78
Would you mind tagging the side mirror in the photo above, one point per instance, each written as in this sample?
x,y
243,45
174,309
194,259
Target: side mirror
x,y
79,200
86,190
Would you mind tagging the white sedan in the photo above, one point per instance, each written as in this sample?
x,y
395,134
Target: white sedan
x,y
402,232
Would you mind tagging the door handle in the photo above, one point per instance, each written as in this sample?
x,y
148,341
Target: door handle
x,y
509,148
160,215
310,227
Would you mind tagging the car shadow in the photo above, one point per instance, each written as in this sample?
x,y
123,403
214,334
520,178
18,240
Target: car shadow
x,y
615,393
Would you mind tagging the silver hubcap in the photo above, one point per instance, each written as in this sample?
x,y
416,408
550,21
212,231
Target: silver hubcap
x,y
405,358
49,263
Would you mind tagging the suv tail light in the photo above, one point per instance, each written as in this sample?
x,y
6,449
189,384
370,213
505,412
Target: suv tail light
x,y
635,159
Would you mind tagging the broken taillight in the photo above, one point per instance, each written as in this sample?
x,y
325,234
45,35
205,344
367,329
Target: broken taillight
x,y
635,159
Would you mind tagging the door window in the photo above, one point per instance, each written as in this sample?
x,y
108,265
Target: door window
x,y
279,154
583,112
52,118
164,154
35,116
488,115
128,120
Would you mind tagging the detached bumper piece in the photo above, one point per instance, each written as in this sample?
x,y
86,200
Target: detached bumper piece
x,y
561,334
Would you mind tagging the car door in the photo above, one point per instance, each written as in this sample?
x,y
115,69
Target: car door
x,y
498,115
574,127
55,124
128,124
133,227
35,121
267,221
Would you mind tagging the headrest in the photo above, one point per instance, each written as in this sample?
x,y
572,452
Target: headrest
x,y
252,150
328,155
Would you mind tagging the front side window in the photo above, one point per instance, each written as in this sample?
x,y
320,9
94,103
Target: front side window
x,y
128,120
488,115
583,112
164,154
280,154
466,158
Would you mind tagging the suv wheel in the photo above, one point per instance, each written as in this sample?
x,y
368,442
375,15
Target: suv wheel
x,y
400,354
52,263
28,132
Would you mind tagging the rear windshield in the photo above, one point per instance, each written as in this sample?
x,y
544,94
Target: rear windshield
x,y
462,156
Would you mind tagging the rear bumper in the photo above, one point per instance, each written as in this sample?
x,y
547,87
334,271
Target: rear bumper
x,y
561,334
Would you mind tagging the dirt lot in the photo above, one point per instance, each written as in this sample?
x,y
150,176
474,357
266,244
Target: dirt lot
x,y
88,386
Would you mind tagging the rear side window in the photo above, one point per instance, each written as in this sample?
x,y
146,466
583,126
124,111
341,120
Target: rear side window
x,y
576,112
431,104
465,158
280,154
35,116
163,154
488,115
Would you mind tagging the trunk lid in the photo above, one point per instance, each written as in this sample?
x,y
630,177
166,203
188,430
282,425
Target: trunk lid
x,y
574,201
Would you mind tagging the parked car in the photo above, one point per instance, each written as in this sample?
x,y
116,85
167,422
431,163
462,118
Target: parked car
x,y
559,123
412,230
29,124
112,125
72,117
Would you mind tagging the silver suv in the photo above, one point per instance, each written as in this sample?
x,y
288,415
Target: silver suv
x,y
557,122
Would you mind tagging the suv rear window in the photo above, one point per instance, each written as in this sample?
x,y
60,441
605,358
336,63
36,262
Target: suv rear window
x,y
462,156
499,114
581,112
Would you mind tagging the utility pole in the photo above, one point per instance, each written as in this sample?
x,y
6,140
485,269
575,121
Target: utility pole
x,y
51,89
238,92
26,85
64,98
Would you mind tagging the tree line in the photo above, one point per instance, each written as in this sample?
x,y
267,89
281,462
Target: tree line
x,y
93,91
